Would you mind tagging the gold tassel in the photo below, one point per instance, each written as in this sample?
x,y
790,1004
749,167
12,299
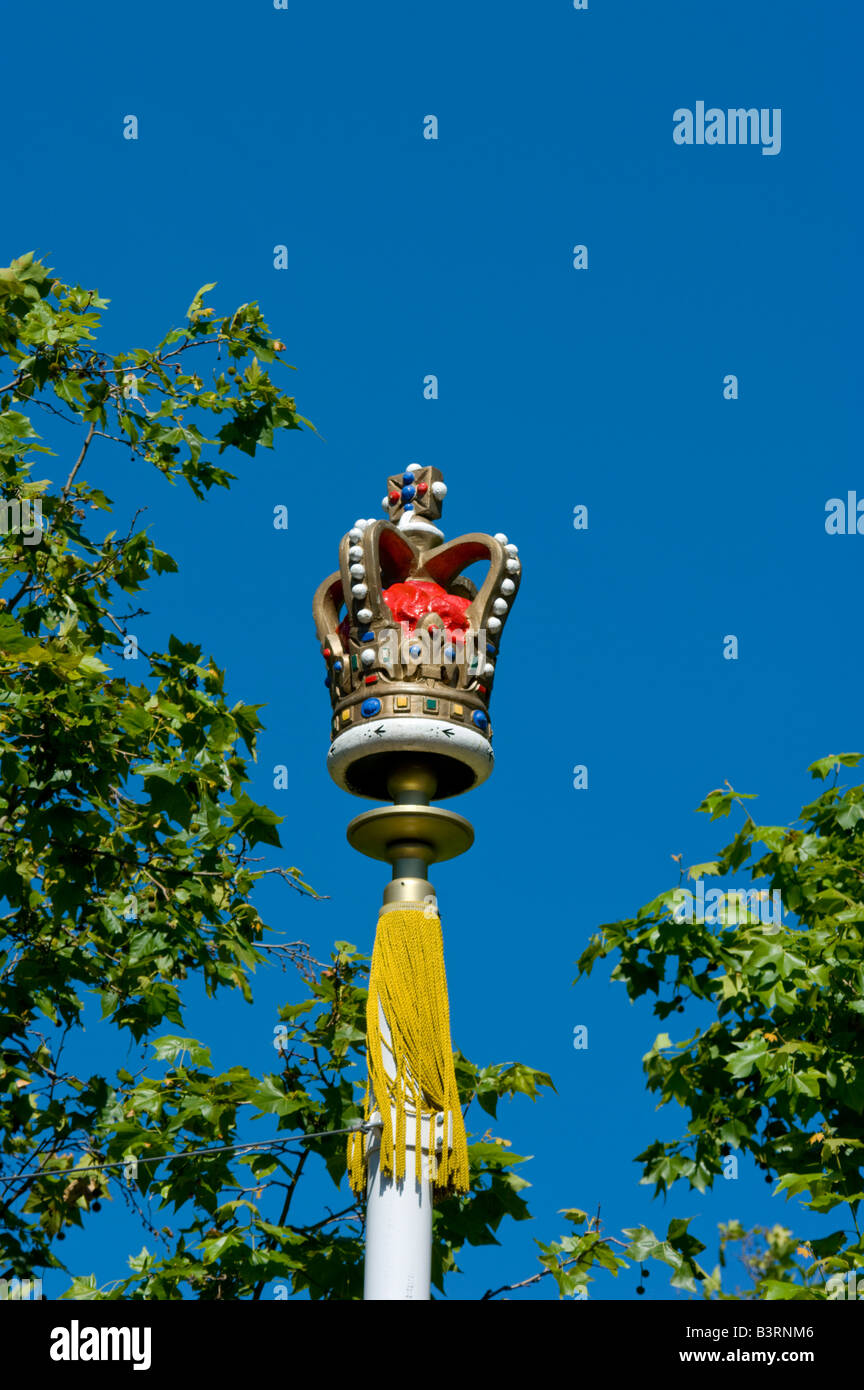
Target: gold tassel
x,y
408,985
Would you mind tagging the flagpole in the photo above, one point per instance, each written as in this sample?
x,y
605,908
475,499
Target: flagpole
x,y
410,835
411,646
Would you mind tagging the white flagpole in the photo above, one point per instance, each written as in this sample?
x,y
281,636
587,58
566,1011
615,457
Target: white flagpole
x,y
398,1217
399,1214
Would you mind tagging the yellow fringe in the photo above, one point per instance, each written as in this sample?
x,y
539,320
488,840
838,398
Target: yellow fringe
x,y
408,985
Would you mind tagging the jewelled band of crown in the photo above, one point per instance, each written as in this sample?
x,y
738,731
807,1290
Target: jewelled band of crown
x,y
411,662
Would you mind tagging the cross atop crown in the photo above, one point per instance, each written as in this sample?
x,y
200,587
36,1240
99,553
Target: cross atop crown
x,y
414,501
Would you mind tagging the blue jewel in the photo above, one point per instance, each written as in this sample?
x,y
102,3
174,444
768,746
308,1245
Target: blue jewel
x,y
370,707
408,493
337,665
414,651
480,720
367,636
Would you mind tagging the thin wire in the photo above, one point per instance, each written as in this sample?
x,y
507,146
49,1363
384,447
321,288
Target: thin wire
x,y
188,1153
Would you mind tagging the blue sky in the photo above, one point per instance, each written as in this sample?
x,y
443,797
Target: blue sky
x,y
558,387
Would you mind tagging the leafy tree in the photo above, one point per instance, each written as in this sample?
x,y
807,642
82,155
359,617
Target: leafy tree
x,y
777,1072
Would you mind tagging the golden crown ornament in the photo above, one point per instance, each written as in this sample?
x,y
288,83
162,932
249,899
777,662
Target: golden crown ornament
x,y
411,644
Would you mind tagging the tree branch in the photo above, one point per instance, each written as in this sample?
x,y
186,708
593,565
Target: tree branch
x,y
285,1206
78,462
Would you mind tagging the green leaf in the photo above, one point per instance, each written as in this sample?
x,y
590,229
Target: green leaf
x,y
173,1049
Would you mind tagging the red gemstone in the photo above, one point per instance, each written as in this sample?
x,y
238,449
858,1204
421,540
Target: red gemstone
x,y
370,680
327,652
421,488
394,497
482,689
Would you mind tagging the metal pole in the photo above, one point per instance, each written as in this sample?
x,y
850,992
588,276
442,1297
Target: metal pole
x,y
398,1263
398,1231
409,835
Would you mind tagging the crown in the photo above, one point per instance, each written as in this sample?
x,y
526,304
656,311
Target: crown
x,y
411,644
